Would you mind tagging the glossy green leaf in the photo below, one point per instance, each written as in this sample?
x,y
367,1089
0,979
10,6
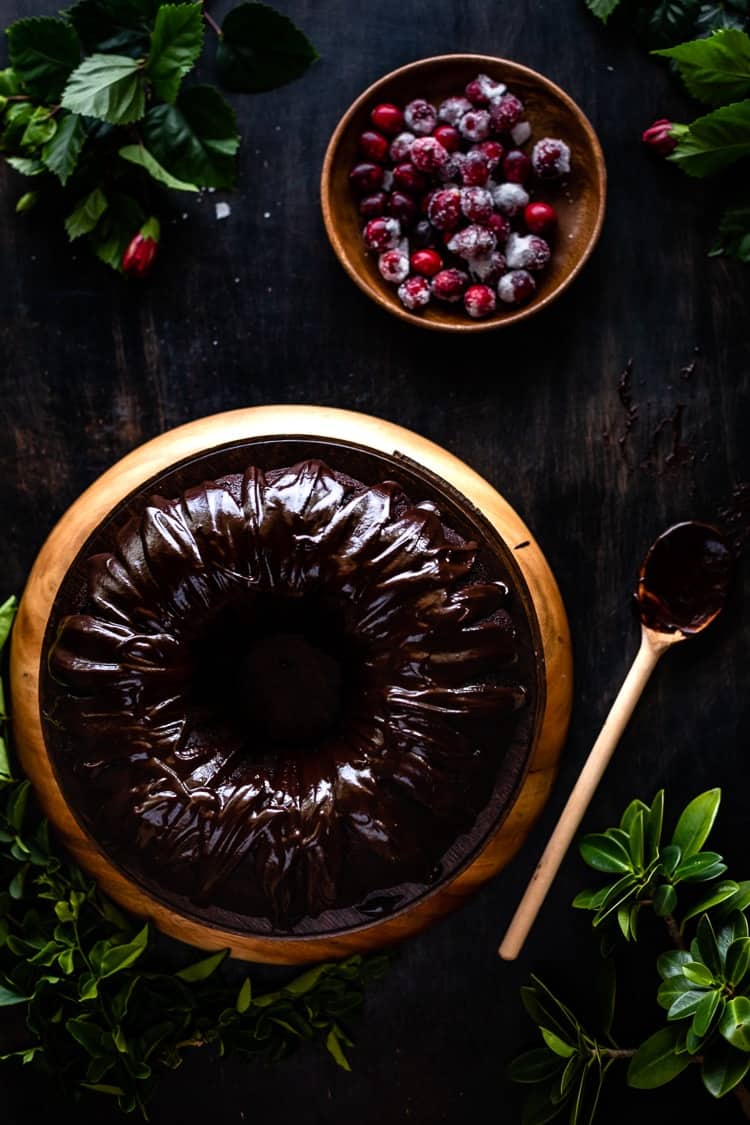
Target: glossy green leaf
x,y
120,957
86,214
738,961
735,1023
9,997
605,854
602,9
636,848
724,1067
685,1004
695,867
623,920
15,808
704,946
589,900
695,822
715,70
108,87
740,900
335,1049
556,1044
60,154
670,858
121,221
88,1034
43,51
655,1062
201,970
306,981
697,973
653,821
534,1066
176,43
261,49
665,900
137,154
705,1012
196,139
717,894
244,996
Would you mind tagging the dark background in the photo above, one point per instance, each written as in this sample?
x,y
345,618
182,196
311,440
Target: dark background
x,y
255,309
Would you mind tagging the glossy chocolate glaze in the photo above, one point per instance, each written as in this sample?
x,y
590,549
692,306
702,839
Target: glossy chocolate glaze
x,y
685,578
284,692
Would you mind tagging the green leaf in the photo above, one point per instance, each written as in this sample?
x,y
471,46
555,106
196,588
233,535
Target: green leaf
x,y
699,868
333,1046
137,154
719,893
43,51
121,221
670,964
653,820
671,989
705,948
623,920
556,1044
195,140
738,961
665,22
602,9
122,956
715,70
120,26
86,214
665,900
534,1066
697,972
244,996
724,1067
740,900
590,900
7,615
15,808
711,143
61,153
10,83
307,980
108,87
40,128
176,43
103,1088
539,1108
87,1034
670,858
9,997
605,854
655,1062
636,846
261,49
685,1004
735,1023
696,822
733,238
201,970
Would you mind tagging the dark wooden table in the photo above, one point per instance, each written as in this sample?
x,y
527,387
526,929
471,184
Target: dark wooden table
x,y
255,309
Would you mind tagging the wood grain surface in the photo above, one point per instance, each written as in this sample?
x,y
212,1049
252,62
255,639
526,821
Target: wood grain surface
x,y
256,309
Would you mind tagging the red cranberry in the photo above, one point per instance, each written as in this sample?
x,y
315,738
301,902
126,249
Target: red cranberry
x,y
505,111
366,178
426,262
388,118
451,170
550,158
526,252
499,226
475,169
408,178
449,285
420,117
539,217
449,137
427,154
382,234
493,150
414,293
394,266
475,126
373,205
472,242
488,269
403,207
452,110
476,204
516,287
482,88
658,137
517,166
401,147
374,146
479,301
424,234
444,209
509,198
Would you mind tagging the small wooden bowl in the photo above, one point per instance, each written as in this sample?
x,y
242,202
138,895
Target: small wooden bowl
x,y
579,200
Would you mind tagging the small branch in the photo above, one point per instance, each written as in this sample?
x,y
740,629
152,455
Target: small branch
x,y
617,1052
742,1094
211,22
674,930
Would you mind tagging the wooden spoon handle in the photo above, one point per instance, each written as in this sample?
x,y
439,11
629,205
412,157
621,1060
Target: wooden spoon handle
x,y
578,801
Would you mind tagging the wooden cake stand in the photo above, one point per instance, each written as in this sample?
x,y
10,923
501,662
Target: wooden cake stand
x,y
127,477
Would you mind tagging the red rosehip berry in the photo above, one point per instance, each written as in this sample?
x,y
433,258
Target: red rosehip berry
x,y
374,146
427,154
493,150
658,137
382,234
403,207
394,266
388,118
539,217
408,178
449,137
444,208
366,178
515,287
420,117
505,111
142,249
550,158
426,262
449,285
516,166
479,301
373,205
475,169
414,293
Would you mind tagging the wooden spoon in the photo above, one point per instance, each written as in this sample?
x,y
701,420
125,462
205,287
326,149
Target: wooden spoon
x,y
682,587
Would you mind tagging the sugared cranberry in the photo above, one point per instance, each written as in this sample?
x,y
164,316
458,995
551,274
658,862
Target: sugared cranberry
x,y
482,88
403,207
388,118
550,158
450,173
658,137
382,234
424,234
479,301
493,150
414,293
444,209
505,111
516,287
408,178
516,166
366,178
449,137
426,262
401,147
475,169
472,242
373,205
539,218
420,117
427,154
452,110
476,204
510,198
374,146
488,269
394,266
475,125
499,226
521,133
449,285
526,252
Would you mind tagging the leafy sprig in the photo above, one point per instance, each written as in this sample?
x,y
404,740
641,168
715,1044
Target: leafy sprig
x,y
105,1007
95,101
704,987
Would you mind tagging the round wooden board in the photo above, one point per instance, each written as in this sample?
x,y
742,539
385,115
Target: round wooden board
x,y
67,538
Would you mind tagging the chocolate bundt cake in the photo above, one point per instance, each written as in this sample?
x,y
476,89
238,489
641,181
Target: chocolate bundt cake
x,y
283,693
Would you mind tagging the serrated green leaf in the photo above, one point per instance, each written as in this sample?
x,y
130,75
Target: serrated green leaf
x,y
712,143
719,893
40,128
108,87
137,154
25,165
735,1023
10,83
665,22
202,970
715,70
602,9
120,26
86,214
196,139
605,854
60,154
655,1062
43,51
724,1067
176,43
261,49
534,1066
733,238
